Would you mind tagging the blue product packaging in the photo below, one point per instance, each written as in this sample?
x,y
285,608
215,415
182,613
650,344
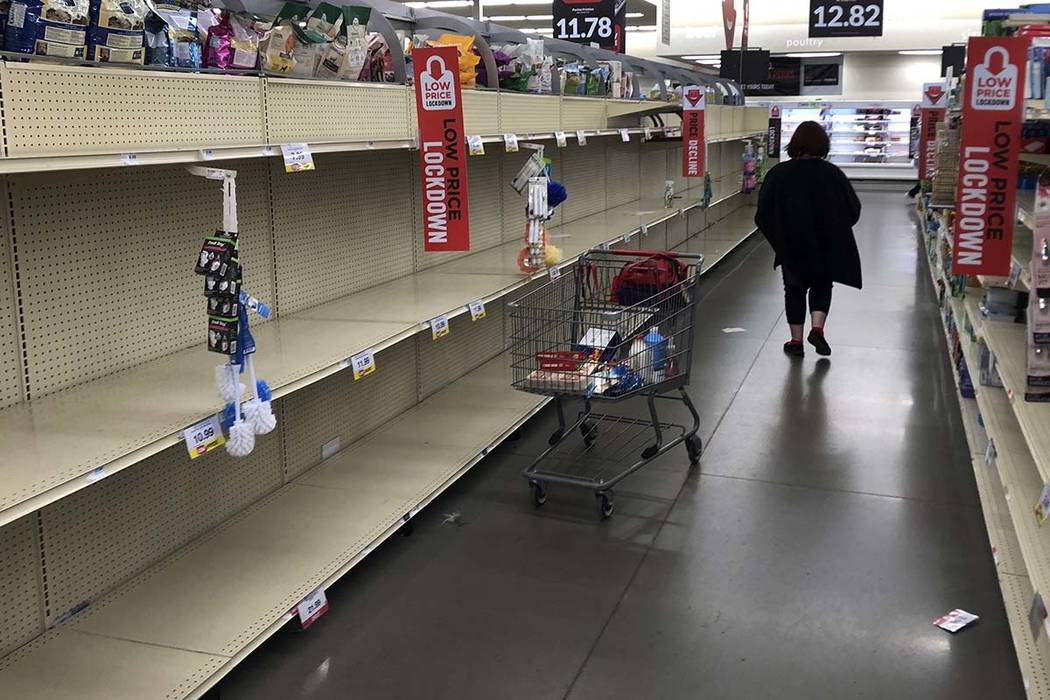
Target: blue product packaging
x,y
656,346
171,37
47,27
116,31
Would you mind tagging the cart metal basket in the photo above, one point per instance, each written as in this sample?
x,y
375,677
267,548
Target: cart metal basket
x,y
620,325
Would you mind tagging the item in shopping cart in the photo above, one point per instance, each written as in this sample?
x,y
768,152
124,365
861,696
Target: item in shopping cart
x,y
116,32
600,341
47,27
656,347
625,381
644,279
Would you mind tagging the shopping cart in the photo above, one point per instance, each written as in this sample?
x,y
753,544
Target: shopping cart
x,y
617,325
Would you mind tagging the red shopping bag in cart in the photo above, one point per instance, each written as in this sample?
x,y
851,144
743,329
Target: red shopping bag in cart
x,y
644,279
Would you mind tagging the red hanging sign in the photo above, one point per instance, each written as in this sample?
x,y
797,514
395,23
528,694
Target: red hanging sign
x,y
693,131
442,149
993,109
931,113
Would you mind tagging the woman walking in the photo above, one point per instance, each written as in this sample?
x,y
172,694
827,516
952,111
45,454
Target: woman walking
x,y
807,210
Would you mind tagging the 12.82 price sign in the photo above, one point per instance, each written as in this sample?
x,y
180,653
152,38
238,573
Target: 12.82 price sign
x,y
844,18
598,22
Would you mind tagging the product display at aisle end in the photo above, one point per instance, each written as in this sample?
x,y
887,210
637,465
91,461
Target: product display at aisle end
x,y
337,333
994,302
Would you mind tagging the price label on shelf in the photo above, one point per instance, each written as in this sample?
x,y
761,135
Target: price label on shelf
x,y
1042,508
363,364
267,150
439,327
581,136
1015,274
477,310
201,438
625,135
559,137
989,453
311,608
129,158
554,271
626,238
510,142
605,245
476,146
647,134
207,154
297,157
645,229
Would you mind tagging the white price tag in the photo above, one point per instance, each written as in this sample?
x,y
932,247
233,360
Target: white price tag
x,y
1015,275
647,134
667,131
581,136
604,245
559,136
1042,508
363,363
554,272
989,453
510,142
267,150
207,154
627,238
625,136
297,157
129,158
312,607
439,327
645,229
477,310
203,437
476,146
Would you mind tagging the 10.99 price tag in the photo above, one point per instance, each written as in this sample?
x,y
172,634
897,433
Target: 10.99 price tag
x,y
201,438
363,364
297,157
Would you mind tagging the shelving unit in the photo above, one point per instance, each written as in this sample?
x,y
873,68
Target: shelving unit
x,y
102,364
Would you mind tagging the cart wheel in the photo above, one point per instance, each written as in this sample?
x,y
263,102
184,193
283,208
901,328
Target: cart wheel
x,y
605,505
695,446
539,493
555,438
589,431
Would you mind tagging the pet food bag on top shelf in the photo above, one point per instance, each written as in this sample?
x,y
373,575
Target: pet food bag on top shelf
x,y
233,41
468,59
47,27
290,47
345,57
171,36
116,31
326,20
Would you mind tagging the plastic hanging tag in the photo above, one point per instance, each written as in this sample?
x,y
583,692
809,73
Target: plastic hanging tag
x,y
510,142
477,310
647,134
625,135
297,157
554,272
439,327
559,137
581,136
475,146
203,437
363,364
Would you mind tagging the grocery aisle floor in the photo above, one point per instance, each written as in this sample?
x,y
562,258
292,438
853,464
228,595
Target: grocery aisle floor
x,y
834,517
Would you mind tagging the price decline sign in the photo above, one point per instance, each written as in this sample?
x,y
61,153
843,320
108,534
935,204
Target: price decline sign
x,y
601,22
693,102
993,109
442,149
845,18
931,113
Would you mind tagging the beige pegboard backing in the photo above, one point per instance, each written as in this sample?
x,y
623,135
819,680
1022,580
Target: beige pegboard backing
x,y
582,113
480,112
514,203
21,594
69,110
99,537
486,213
468,345
583,171
756,119
654,239
106,264
527,114
623,166
653,170
330,111
677,231
1032,655
347,226
11,368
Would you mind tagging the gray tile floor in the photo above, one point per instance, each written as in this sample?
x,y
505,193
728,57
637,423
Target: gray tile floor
x,y
834,517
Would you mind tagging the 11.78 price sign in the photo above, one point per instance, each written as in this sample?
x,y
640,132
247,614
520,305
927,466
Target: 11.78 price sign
x,y
845,18
598,22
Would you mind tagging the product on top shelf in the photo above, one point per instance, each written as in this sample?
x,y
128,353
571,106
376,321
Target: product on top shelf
x,y
48,27
171,35
116,32
290,48
346,55
468,57
233,41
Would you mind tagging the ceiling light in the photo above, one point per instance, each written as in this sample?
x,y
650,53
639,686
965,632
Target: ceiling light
x,y
829,54
642,28
437,4
509,18
540,17
703,57
921,52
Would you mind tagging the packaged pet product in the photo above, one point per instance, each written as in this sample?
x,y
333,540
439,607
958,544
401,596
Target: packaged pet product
x,y
379,66
468,59
233,42
290,48
345,56
5,8
327,20
47,27
171,36
116,32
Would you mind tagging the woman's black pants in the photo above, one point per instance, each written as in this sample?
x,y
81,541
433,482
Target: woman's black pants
x,y
795,291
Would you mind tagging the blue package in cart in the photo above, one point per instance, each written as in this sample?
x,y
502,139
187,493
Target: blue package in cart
x,y
47,27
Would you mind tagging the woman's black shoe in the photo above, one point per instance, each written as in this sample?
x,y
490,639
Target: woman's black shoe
x,y
817,340
795,348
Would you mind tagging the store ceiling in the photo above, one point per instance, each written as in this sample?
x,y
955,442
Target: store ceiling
x,y
533,16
